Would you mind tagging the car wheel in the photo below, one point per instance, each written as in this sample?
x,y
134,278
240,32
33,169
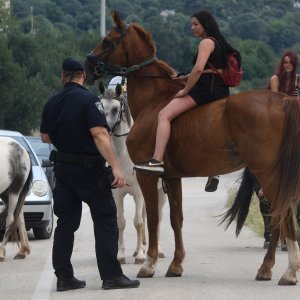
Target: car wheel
x,y
45,232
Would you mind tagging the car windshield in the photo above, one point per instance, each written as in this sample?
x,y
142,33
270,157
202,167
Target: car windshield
x,y
23,142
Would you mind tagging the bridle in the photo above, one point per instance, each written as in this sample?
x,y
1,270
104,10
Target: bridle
x,y
119,119
101,68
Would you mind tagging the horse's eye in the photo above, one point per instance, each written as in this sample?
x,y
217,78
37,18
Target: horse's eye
x,y
115,111
106,43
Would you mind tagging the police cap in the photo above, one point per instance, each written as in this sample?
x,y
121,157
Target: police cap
x,y
72,65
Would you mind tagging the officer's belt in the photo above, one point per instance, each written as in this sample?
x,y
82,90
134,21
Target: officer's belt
x,y
79,159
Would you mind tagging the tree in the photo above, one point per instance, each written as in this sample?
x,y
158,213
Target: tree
x,y
248,26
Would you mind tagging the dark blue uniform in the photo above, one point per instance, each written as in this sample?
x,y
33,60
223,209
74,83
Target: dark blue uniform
x,y
80,176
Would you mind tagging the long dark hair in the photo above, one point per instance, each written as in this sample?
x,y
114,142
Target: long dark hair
x,y
212,30
282,75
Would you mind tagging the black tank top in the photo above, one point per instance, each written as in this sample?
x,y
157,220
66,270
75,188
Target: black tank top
x,y
216,58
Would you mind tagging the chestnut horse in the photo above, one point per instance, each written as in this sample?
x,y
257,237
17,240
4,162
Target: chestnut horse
x,y
256,129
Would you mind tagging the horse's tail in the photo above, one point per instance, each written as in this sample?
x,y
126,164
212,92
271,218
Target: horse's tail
x,y
240,206
12,231
287,170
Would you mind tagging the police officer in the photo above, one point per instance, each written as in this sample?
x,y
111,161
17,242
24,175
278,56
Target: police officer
x,y
74,122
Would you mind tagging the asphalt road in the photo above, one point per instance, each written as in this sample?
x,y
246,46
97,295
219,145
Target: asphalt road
x,y
217,265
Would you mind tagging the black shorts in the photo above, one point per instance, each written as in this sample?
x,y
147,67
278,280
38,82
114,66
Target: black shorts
x,y
209,87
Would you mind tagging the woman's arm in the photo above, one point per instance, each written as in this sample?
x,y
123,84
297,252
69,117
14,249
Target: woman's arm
x,y
274,83
297,83
206,47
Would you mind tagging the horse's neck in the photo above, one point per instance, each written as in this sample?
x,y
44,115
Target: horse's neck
x,y
150,86
119,145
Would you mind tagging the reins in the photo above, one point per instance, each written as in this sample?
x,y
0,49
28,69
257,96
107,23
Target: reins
x,y
153,76
102,68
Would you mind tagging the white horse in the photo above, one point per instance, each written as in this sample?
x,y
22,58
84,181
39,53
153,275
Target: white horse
x,y
119,120
15,179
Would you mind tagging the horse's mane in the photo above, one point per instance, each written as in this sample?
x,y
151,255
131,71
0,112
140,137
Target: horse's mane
x,y
145,35
166,68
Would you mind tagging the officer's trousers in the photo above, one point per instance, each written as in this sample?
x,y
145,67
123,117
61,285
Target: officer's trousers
x,y
75,184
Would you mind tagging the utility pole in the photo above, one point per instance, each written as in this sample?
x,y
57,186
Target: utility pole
x,y
31,19
102,18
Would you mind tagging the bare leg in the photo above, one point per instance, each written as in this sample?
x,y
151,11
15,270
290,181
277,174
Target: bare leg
x,y
176,107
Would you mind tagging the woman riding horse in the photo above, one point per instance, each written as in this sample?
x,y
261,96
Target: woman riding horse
x,y
257,129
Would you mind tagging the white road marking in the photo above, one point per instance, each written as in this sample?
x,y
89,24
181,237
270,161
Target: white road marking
x,y
43,288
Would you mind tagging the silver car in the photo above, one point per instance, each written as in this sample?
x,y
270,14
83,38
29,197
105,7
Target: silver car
x,y
42,152
38,210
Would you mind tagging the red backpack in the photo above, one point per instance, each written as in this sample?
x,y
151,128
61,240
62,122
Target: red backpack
x,y
232,75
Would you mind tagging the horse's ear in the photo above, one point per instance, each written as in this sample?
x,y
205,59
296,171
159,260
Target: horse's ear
x,y
116,17
119,90
101,87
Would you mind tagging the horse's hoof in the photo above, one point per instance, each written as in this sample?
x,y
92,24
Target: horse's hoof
x,y
139,261
122,260
161,255
143,273
284,281
263,274
170,273
261,278
20,256
1,259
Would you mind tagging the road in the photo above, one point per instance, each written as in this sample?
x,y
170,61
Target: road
x,y
217,265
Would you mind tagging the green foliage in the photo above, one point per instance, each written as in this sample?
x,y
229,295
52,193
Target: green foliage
x,y
31,57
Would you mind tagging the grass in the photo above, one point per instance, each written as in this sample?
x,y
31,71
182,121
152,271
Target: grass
x,y
254,219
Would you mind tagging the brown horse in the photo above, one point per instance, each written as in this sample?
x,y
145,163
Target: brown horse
x,y
256,129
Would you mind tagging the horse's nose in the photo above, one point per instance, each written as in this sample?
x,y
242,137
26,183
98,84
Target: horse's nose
x,y
109,130
91,57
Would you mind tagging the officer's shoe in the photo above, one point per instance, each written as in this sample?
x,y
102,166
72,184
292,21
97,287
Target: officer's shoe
x,y
121,282
69,283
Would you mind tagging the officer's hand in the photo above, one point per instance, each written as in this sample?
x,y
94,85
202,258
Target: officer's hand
x,y
119,181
